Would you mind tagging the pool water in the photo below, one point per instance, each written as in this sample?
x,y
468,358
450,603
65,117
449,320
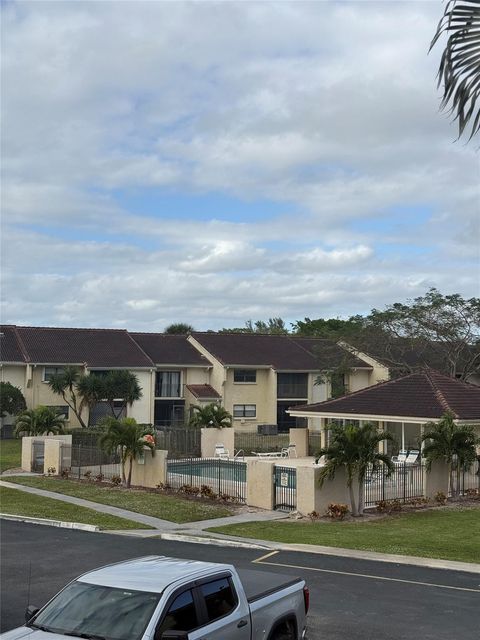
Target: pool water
x,y
212,469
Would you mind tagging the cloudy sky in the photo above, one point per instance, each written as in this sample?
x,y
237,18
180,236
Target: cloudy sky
x,y
214,162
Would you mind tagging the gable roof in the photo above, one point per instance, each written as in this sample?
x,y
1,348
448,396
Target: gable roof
x,y
280,352
11,348
426,394
93,347
203,391
170,349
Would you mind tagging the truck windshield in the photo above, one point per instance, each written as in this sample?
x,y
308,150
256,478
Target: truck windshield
x,y
97,612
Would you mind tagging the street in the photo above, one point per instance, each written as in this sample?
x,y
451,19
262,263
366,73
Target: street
x,y
354,599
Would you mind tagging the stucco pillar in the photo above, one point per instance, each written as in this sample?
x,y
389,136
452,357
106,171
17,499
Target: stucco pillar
x,y
436,480
27,453
211,437
335,491
149,471
52,456
307,489
299,437
260,483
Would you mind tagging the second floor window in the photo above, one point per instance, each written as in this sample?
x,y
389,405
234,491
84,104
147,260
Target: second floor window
x,y
292,385
168,384
244,375
48,372
244,410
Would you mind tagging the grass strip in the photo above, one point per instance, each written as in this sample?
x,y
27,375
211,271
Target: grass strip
x,y
19,503
447,534
172,508
10,454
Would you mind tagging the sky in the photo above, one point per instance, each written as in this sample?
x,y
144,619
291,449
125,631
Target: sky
x,y
215,162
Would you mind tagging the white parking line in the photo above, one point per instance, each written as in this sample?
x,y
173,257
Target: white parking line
x,y
263,560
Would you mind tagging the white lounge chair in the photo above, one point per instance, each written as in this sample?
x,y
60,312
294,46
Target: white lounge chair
x,y
412,456
289,452
401,458
221,452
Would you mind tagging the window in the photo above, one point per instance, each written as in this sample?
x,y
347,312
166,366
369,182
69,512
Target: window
x,y
244,375
62,410
48,372
167,384
219,597
292,385
181,615
244,410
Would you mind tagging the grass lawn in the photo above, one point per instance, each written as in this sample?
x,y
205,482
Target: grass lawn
x,y
173,508
20,503
449,534
10,454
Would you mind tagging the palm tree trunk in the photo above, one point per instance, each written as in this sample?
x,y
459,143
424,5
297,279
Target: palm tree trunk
x,y
129,480
352,500
361,496
452,485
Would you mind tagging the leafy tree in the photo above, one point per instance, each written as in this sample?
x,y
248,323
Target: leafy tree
x,y
121,388
12,401
275,326
40,421
452,443
354,449
130,438
436,330
332,329
65,384
459,69
211,415
179,328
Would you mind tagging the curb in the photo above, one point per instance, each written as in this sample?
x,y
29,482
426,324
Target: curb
x,y
219,542
51,523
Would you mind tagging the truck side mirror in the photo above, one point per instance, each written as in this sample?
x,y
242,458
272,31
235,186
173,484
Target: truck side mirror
x,y
174,635
30,611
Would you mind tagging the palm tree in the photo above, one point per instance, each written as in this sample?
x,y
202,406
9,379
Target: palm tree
x,y
65,384
354,449
452,443
179,328
130,438
121,385
459,69
39,421
211,415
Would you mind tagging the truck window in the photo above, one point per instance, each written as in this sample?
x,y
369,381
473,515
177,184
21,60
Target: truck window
x,y
219,597
181,615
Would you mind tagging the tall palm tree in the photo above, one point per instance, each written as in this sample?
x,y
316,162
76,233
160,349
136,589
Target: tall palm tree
x,y
130,438
452,443
40,421
211,415
121,385
459,70
354,449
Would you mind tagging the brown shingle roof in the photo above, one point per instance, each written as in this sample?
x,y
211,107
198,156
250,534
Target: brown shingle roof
x,y
169,349
94,347
203,391
276,351
10,345
426,394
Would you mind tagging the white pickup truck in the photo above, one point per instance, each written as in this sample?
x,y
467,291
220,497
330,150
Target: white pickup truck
x,y
159,598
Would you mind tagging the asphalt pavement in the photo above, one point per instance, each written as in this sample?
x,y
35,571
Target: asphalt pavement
x,y
350,598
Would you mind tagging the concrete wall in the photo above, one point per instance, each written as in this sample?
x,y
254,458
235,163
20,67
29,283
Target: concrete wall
x,y
211,437
358,379
312,497
142,410
27,450
260,489
436,480
299,437
149,471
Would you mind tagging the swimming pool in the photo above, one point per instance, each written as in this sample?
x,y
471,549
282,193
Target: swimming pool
x,y
208,468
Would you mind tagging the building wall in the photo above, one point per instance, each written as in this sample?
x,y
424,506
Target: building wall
x,y
142,410
41,394
217,373
258,393
359,379
15,374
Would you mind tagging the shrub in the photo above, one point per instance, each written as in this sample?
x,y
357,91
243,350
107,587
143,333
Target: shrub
x,y
207,492
87,475
116,480
389,506
473,493
417,502
337,511
51,471
189,489
440,498
65,473
313,515
99,477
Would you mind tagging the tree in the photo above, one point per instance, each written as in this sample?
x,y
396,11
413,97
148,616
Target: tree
x,y
128,437
179,328
354,449
12,401
40,421
436,330
459,69
65,384
211,416
452,443
120,388
273,326
331,329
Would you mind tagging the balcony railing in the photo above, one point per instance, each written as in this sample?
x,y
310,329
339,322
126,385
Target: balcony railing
x,y
169,391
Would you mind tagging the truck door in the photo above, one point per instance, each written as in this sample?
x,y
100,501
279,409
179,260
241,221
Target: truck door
x,y
223,613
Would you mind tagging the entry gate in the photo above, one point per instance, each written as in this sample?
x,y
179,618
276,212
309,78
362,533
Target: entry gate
x,y
284,488
38,456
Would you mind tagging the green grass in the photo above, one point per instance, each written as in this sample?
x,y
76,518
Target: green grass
x,y
19,503
10,454
448,534
166,507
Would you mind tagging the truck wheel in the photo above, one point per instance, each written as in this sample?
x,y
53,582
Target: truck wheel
x,y
286,632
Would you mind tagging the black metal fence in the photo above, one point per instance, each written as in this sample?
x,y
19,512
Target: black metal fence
x,y
223,477
314,442
180,443
467,480
285,488
251,442
405,483
92,462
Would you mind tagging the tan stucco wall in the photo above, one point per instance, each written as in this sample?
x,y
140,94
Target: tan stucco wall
x,y
260,484
153,470
211,437
15,374
41,394
259,393
358,379
142,410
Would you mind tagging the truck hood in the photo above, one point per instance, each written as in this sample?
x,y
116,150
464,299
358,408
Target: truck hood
x,y
32,634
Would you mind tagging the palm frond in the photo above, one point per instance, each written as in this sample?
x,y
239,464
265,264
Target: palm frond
x,y
459,70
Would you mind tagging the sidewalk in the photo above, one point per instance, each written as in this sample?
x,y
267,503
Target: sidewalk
x,y
194,532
